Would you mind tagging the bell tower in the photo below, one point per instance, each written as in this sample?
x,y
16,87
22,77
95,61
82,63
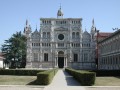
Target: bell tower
x,y
27,32
60,13
93,29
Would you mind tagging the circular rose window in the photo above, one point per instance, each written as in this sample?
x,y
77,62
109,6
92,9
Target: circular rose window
x,y
60,36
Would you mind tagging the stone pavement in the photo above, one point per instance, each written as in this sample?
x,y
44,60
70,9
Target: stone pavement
x,y
102,88
63,81
20,87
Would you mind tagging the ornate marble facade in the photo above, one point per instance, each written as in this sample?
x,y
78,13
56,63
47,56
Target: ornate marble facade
x,y
60,42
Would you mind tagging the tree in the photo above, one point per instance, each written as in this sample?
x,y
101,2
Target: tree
x,y
14,50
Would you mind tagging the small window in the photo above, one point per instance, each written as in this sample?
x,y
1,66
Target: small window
x,y
77,35
85,57
75,57
48,34
35,56
73,35
42,44
44,34
46,57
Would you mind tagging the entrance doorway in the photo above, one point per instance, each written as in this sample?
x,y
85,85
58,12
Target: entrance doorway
x,y
61,59
60,62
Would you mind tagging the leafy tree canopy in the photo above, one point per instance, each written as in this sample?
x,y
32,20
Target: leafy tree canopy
x,y
14,50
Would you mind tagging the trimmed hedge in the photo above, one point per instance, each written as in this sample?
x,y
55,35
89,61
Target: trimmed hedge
x,y
45,78
24,72
84,77
106,72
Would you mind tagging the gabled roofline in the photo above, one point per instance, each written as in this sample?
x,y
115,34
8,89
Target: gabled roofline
x,y
110,36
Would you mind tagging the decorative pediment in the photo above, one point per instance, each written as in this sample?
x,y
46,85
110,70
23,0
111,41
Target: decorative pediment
x,y
35,34
86,36
61,28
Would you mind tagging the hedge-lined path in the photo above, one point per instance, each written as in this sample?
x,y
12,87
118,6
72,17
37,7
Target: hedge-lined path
x,y
62,78
63,81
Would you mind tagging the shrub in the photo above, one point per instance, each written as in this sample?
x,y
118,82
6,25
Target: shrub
x,y
106,72
25,72
84,77
45,78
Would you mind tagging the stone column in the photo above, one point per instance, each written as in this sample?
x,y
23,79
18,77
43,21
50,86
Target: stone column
x,y
57,62
41,56
64,61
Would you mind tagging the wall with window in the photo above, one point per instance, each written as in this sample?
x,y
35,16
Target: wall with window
x,y
46,35
45,57
75,57
75,35
109,52
35,56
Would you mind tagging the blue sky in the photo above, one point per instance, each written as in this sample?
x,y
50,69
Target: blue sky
x,y
13,14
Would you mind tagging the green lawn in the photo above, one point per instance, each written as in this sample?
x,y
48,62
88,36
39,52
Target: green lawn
x,y
25,80
107,81
16,80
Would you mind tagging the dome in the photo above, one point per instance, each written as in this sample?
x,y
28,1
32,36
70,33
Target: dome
x,y
59,13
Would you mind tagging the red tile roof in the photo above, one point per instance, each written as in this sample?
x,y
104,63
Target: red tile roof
x,y
104,34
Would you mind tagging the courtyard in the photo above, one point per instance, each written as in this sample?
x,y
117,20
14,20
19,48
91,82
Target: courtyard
x,y
30,80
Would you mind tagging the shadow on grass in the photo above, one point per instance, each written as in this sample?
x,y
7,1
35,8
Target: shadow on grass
x,y
33,83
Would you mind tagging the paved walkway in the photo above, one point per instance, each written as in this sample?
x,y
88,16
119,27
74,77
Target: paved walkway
x,y
23,87
64,81
20,87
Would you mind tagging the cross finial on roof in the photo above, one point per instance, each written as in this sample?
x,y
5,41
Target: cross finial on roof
x,y
60,5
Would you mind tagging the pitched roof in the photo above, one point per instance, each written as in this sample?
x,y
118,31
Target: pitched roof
x,y
110,36
1,56
104,34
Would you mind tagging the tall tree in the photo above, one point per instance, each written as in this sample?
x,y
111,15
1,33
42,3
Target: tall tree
x,y
14,50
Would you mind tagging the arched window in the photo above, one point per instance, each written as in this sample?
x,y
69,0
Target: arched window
x,y
77,35
44,34
73,35
48,34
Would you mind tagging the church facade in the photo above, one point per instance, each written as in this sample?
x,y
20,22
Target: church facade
x,y
60,43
